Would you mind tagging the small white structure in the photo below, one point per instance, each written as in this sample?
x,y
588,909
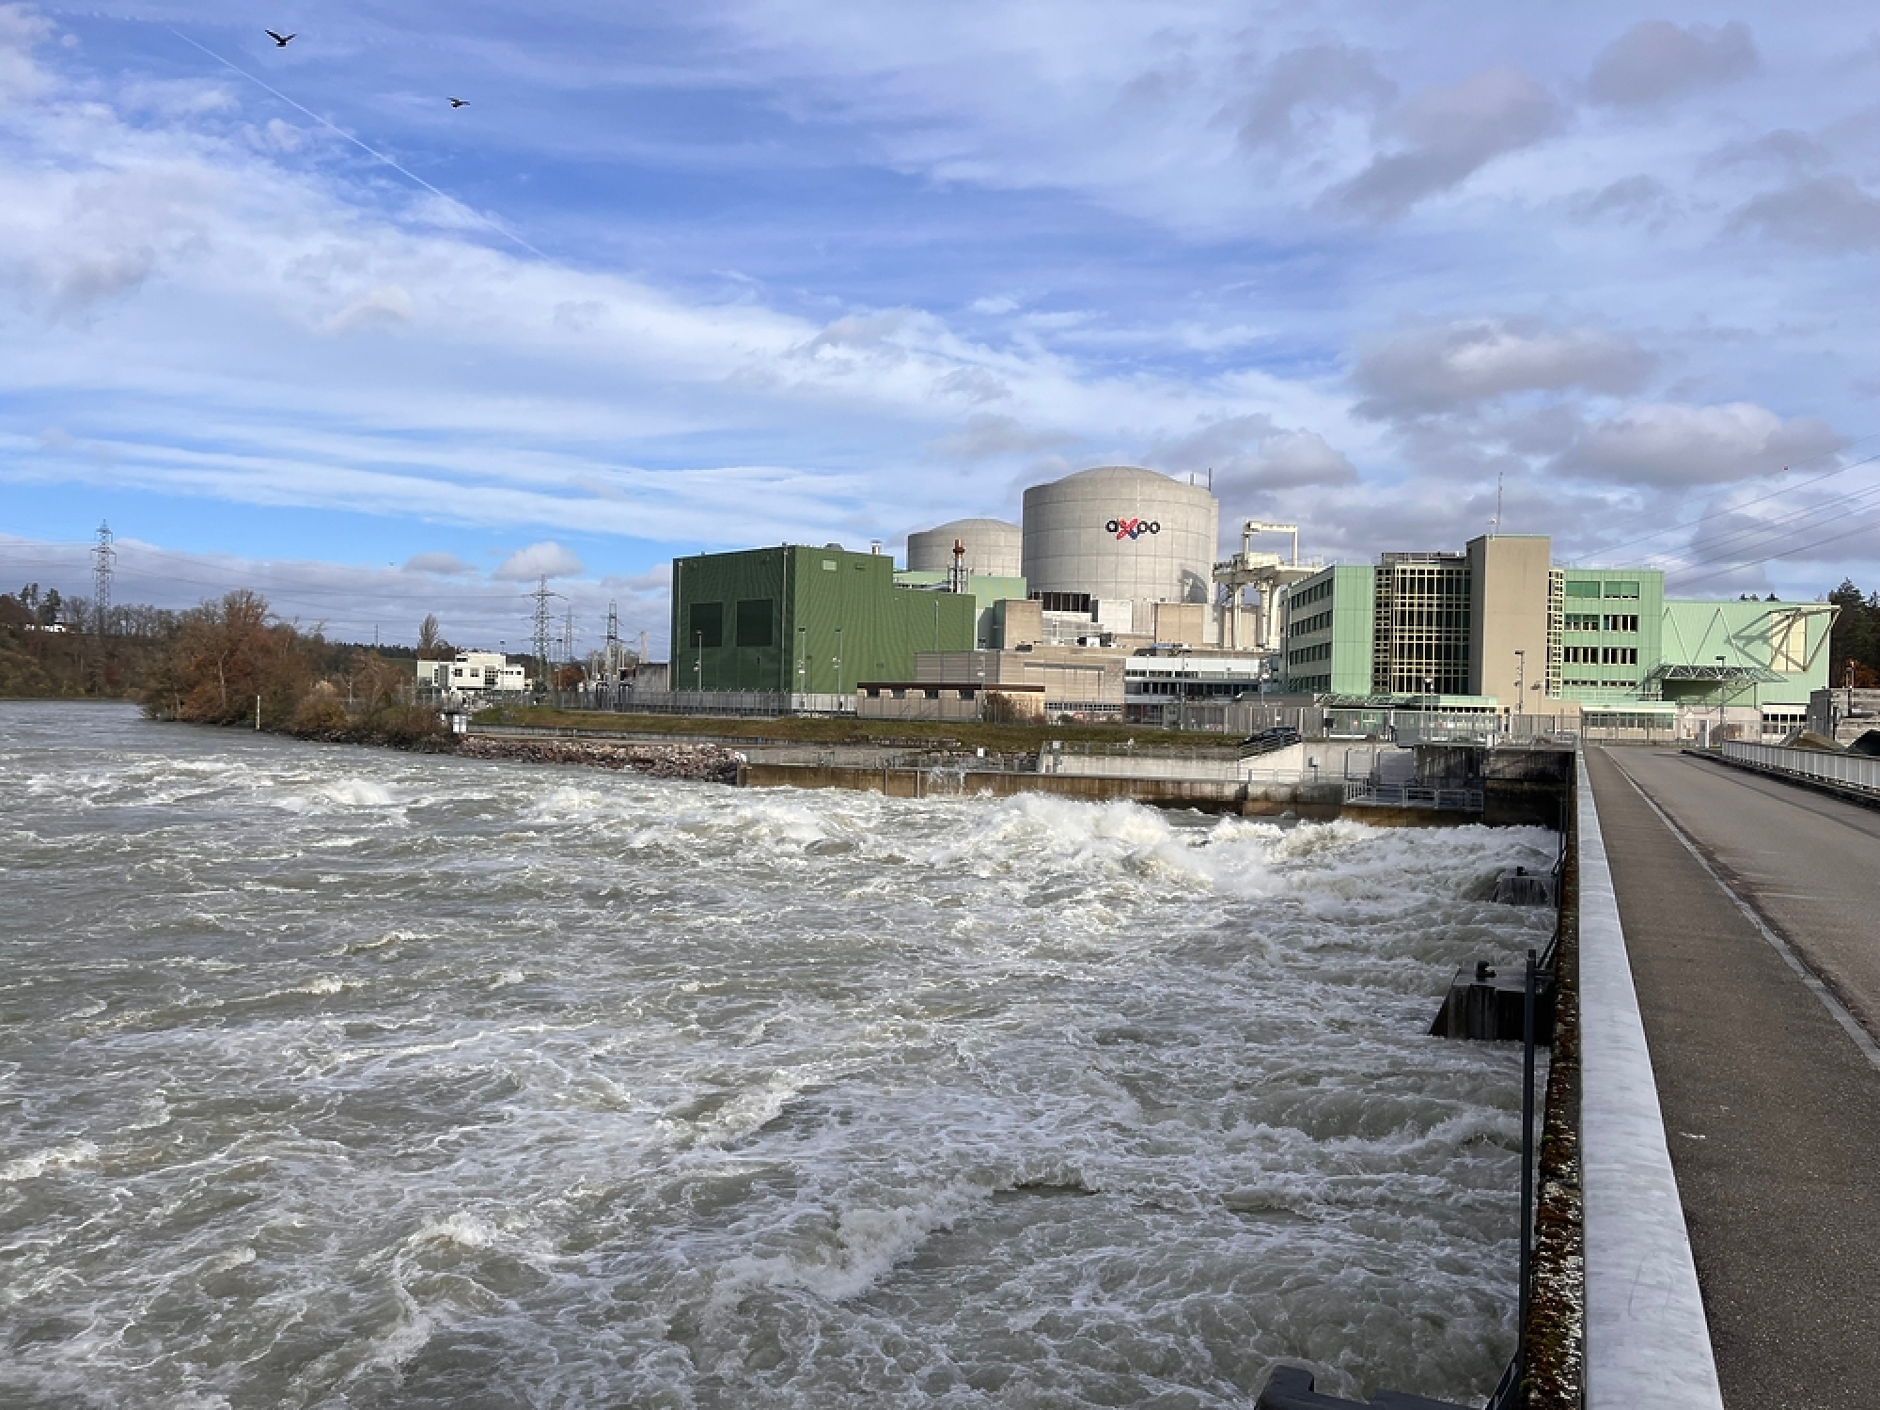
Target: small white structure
x,y
472,673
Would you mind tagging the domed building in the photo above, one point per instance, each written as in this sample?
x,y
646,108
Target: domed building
x,y
993,548
1119,533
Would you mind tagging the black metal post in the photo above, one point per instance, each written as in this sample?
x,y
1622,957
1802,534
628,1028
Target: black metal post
x,y
1527,1176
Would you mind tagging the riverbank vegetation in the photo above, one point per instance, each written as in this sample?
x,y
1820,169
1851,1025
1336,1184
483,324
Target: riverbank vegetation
x,y
233,662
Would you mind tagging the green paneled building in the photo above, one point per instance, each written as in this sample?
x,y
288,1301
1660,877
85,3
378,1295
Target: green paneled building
x,y
794,620
1329,628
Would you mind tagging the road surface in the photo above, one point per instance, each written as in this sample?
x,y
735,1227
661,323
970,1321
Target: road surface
x,y
1772,1109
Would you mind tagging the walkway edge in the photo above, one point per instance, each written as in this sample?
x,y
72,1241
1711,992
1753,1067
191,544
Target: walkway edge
x,y
1647,1340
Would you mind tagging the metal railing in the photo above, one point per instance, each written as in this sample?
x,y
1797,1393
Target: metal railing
x,y
1369,793
1857,771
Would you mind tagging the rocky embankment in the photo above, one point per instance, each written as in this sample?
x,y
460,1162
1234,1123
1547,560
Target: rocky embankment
x,y
703,763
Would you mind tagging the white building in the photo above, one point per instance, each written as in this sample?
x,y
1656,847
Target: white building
x,y
472,673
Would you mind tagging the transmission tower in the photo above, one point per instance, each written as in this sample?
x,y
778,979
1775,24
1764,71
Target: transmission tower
x,y
103,559
611,653
541,596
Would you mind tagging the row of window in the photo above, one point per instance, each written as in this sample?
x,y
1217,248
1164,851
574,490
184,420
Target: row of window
x,y
1318,592
1319,622
1321,652
1614,589
1601,655
1596,622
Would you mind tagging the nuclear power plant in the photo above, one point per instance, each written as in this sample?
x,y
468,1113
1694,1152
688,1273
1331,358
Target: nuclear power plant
x,y
1108,601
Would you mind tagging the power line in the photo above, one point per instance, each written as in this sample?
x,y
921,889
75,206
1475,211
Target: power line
x,y
1607,549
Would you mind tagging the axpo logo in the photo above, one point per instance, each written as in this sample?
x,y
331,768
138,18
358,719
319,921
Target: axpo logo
x,y
1132,528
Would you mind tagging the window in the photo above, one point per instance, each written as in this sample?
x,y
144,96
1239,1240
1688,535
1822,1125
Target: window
x,y
706,626
829,565
754,622
1617,589
1620,656
1580,589
1582,622
1621,623
1580,654
931,694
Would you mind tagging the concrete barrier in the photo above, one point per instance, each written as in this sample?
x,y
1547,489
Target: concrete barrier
x,y
1647,1341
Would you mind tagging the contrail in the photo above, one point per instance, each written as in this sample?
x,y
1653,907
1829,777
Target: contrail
x,y
333,127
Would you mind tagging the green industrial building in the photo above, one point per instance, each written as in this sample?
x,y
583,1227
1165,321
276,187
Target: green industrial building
x,y
804,621
1498,626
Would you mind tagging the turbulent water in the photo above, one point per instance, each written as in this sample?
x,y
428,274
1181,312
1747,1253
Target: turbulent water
x,y
338,1077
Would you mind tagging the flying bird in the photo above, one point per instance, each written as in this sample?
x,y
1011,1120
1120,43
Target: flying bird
x,y
280,40
460,102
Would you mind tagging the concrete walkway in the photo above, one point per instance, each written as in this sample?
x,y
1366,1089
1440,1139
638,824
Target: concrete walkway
x,y
1771,1108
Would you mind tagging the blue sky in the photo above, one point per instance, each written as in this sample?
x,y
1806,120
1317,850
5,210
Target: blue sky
x,y
710,275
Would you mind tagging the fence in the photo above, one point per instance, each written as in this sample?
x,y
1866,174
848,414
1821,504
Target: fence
x,y
761,703
1376,794
1857,771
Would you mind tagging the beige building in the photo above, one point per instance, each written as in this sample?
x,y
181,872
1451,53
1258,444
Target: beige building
x,y
1510,602
949,701
1075,679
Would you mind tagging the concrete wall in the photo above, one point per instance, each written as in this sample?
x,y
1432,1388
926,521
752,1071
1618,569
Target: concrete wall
x,y
1508,614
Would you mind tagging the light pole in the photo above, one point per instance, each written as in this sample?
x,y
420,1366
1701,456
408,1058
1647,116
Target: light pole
x,y
1181,686
1520,680
1429,692
1720,716
698,663
802,660
838,660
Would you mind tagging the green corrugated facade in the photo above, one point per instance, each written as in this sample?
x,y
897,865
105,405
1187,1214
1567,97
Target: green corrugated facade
x,y
804,620
1609,630
1788,639
1328,631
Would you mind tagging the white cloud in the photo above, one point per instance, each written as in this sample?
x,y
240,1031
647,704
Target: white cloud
x,y
1445,134
1462,364
1670,445
1656,60
1302,86
539,560
384,307
1831,213
443,565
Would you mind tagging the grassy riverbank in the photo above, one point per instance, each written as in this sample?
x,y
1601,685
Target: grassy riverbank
x,y
817,729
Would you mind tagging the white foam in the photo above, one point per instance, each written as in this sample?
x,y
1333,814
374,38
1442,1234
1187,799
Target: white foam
x,y
68,1156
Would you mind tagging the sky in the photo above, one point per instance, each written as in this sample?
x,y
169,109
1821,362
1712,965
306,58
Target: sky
x,y
703,276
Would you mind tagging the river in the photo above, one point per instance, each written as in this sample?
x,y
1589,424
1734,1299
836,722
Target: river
x,y
344,1077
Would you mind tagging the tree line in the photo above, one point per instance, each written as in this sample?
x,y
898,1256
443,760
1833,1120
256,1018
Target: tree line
x,y
230,661
1854,645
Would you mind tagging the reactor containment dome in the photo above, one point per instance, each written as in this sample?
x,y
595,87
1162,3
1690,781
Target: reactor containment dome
x,y
1119,533
993,548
